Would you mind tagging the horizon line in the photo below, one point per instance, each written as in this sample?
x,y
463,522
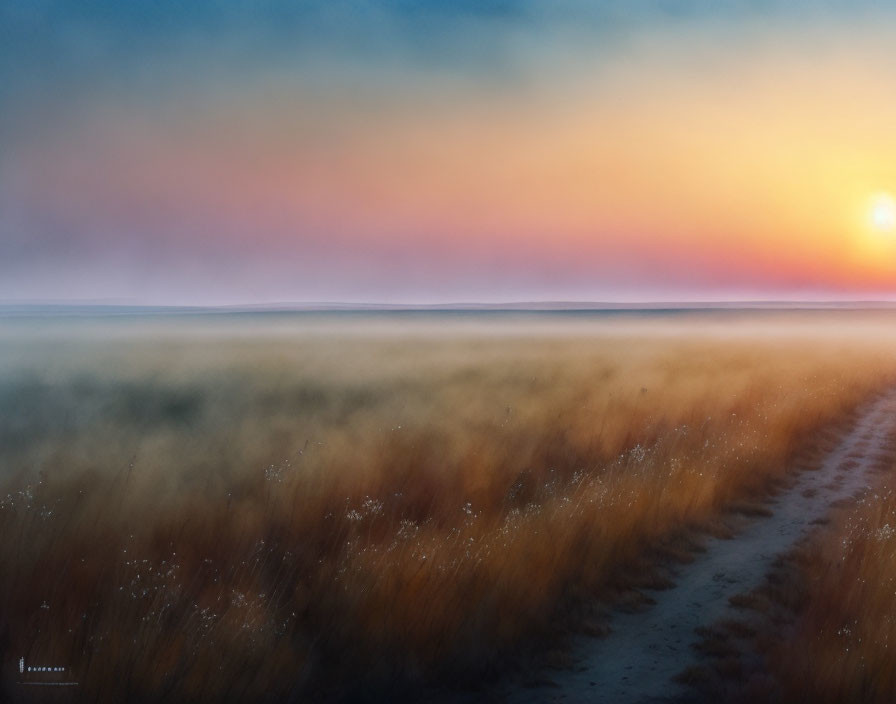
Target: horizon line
x,y
459,306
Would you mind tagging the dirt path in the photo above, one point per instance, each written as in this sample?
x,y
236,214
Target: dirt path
x,y
638,659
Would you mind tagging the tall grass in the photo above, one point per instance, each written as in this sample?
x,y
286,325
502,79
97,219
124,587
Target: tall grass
x,y
214,517
840,647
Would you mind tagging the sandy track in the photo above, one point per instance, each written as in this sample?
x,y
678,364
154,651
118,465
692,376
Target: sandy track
x,y
638,659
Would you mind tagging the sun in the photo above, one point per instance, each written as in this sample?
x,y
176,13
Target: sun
x,y
882,212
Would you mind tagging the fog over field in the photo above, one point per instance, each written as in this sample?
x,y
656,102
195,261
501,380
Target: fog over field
x,y
381,505
447,351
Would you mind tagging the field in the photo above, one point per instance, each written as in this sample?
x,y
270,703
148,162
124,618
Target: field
x,y
340,507
842,587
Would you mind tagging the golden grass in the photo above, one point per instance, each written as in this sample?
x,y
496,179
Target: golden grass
x,y
839,648
191,518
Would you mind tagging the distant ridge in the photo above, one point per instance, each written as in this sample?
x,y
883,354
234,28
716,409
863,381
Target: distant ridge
x,y
107,309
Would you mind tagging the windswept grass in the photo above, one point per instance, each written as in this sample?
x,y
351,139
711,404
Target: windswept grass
x,y
207,517
843,644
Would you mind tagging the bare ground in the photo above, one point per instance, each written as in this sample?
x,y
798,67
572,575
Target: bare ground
x,y
645,652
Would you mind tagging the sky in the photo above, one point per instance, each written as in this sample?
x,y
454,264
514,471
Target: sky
x,y
405,151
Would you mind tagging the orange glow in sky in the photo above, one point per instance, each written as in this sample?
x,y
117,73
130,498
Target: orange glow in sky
x,y
707,158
